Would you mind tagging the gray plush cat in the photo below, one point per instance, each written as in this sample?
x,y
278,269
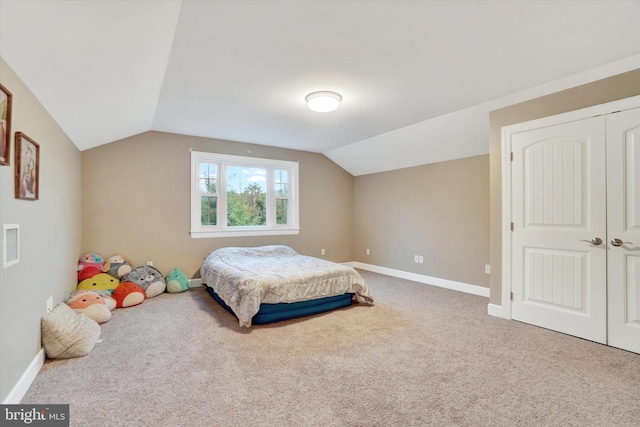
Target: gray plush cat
x,y
148,278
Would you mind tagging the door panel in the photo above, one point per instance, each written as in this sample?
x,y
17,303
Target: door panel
x,y
623,212
555,277
559,205
553,187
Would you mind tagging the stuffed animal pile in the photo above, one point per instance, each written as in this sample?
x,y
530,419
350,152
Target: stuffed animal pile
x,y
104,285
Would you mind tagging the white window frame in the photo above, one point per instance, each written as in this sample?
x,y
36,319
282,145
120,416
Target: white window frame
x,y
221,229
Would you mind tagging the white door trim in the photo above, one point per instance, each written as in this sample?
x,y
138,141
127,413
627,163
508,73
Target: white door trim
x,y
507,132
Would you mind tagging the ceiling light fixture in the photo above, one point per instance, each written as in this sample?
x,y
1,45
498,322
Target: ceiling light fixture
x,y
323,101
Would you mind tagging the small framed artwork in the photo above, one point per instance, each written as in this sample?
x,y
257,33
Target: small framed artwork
x,y
27,178
5,125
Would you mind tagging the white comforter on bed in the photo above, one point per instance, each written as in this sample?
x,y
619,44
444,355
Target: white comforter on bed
x,y
246,277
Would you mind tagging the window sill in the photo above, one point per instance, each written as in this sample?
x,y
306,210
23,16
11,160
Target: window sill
x,y
208,234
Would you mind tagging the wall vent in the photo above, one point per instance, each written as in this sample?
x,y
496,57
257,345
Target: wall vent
x,y
10,244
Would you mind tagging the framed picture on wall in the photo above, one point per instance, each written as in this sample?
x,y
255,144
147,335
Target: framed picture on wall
x,y
5,125
27,178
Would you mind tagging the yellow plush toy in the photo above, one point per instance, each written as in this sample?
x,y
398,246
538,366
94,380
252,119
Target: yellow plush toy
x,y
99,282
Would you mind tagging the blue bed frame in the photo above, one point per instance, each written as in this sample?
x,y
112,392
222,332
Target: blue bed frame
x,y
270,313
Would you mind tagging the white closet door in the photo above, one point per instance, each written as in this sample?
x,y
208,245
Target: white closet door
x,y
558,207
623,218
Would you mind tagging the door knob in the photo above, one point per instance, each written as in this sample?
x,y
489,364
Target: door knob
x,y
596,241
618,242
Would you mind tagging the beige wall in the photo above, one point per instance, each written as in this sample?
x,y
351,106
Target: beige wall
x,y
135,202
49,233
439,211
599,92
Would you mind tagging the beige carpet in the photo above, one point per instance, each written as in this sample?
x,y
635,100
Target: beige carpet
x,y
421,356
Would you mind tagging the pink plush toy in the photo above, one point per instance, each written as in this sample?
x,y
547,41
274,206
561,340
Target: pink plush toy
x,y
108,299
89,265
91,304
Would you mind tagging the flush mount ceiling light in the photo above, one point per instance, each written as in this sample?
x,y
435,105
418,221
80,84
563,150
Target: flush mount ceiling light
x,y
323,101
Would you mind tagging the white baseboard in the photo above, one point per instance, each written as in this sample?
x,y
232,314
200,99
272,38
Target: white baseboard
x,y
435,281
194,283
494,310
25,381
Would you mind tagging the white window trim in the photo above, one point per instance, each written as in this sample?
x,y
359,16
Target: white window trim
x,y
222,230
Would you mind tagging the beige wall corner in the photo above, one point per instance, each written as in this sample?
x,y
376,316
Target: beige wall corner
x,y
136,201
49,234
439,211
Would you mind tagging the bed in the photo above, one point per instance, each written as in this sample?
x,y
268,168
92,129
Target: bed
x,y
271,283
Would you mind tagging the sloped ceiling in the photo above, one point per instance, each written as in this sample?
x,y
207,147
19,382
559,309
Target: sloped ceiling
x,y
240,70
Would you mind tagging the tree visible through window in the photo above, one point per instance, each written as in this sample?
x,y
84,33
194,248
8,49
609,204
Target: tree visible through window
x,y
255,196
246,196
282,196
208,194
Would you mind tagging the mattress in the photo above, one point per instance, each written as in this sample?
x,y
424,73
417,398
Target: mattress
x,y
269,313
245,278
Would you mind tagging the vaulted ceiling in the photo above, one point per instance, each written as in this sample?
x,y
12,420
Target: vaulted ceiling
x,y
240,70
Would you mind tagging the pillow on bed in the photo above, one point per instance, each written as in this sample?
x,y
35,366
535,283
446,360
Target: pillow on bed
x,y
66,334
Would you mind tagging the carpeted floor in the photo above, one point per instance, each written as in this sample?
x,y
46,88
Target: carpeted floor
x,y
420,356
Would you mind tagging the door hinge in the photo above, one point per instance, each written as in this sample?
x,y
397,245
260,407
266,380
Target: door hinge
x,y
511,296
511,226
512,156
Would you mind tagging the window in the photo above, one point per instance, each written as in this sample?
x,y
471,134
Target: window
x,y
242,196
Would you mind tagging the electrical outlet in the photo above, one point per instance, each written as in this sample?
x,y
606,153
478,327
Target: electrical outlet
x,y
368,251
49,304
421,259
150,263
415,259
487,268
322,251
